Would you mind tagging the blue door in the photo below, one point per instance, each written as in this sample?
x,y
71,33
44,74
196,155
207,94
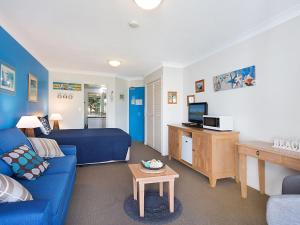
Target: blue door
x,y
136,113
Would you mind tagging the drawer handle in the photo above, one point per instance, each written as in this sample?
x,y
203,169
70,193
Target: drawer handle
x,y
257,153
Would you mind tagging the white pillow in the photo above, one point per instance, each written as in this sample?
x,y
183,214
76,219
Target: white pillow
x,y
12,191
46,148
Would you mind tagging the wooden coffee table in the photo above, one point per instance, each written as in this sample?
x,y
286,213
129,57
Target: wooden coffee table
x,y
141,178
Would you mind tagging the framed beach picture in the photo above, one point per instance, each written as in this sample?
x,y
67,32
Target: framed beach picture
x,y
7,79
32,88
172,97
241,78
199,86
190,99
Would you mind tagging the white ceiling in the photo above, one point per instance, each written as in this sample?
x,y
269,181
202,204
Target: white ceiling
x,y
79,35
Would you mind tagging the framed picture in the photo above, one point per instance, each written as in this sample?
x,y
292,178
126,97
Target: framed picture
x,y
190,99
241,78
172,97
7,79
199,86
32,88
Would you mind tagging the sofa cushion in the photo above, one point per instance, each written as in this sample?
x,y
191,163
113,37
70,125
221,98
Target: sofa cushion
x,y
12,191
10,139
46,148
50,187
25,162
64,164
46,128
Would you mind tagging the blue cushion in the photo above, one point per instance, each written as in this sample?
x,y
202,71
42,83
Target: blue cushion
x,y
64,164
50,187
10,139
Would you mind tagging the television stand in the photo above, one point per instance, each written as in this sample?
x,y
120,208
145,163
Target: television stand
x,y
189,124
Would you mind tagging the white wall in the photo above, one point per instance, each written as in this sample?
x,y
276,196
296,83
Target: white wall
x,y
270,109
136,83
73,110
171,113
122,107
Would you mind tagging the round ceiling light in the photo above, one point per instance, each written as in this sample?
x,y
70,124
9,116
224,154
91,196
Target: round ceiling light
x,y
148,4
114,63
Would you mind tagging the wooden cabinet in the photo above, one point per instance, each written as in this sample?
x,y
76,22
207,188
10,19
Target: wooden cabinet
x,y
174,145
214,152
201,152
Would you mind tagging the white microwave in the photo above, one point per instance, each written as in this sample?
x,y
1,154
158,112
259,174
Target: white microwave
x,y
221,123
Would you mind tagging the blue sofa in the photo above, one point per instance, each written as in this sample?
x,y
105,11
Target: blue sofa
x,y
51,192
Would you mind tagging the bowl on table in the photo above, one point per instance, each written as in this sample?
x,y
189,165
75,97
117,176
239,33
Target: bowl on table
x,y
152,164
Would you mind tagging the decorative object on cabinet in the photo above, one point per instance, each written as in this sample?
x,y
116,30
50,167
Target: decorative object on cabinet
x,y
236,79
7,79
172,97
32,88
190,99
28,123
66,86
199,86
291,145
213,153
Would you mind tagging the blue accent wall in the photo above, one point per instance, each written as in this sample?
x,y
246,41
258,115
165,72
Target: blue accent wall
x,y
14,105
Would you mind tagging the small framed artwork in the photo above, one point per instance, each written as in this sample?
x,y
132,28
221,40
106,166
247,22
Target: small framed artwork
x,y
199,86
172,97
32,88
190,99
7,79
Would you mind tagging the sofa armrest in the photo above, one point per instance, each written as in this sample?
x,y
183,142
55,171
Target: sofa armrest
x,y
68,149
283,210
36,212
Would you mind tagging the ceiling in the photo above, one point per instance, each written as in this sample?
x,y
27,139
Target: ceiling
x,y
76,35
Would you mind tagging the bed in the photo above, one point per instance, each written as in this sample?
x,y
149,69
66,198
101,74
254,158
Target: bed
x,y
95,145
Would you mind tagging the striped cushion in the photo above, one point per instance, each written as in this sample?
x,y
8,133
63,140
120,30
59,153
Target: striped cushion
x,y
12,191
46,148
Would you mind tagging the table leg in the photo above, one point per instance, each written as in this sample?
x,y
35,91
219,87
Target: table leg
x,y
171,195
141,198
212,182
134,188
243,174
261,174
161,189
237,176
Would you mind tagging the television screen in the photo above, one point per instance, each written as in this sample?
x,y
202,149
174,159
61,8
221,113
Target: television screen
x,y
197,111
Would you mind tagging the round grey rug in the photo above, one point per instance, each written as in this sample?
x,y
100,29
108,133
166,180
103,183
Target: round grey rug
x,y
156,209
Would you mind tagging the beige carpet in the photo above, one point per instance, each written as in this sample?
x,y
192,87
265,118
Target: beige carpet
x,y
101,190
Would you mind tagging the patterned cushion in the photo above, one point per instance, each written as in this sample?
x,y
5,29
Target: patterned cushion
x,y
12,191
25,163
46,128
46,148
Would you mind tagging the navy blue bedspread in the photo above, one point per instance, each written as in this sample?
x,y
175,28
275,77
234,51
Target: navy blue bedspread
x,y
94,145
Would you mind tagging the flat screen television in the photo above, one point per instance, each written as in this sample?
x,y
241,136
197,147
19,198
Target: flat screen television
x,y
197,111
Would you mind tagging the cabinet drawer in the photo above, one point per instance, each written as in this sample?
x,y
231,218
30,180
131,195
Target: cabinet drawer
x,y
291,163
248,151
271,157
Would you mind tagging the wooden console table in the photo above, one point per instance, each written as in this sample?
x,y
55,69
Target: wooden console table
x,y
214,153
264,152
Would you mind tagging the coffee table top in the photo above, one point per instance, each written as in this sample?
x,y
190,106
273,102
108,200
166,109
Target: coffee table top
x,y
167,174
